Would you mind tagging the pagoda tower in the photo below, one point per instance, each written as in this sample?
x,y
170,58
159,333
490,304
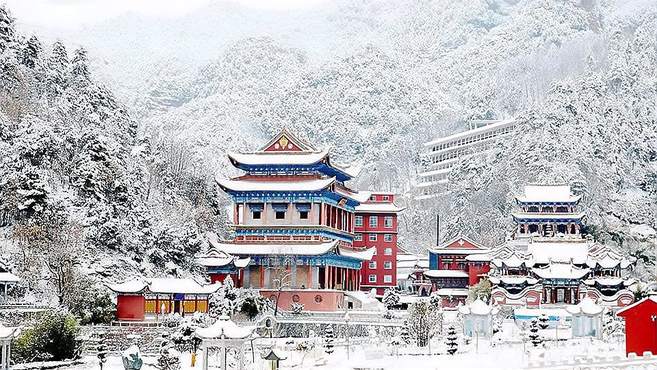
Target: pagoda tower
x,y
293,220
549,261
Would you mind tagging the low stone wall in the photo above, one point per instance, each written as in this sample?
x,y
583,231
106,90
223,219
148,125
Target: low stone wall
x,y
119,338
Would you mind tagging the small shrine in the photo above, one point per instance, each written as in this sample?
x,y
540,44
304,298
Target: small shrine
x,y
586,318
478,318
228,337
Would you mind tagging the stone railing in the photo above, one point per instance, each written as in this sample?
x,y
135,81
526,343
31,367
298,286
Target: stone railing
x,y
615,362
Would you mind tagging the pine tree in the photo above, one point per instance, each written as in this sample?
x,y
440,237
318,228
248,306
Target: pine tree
x,y
328,339
543,321
57,73
534,336
80,66
451,340
101,349
405,337
390,298
7,30
31,52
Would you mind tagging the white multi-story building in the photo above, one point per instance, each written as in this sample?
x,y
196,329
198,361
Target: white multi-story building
x,y
443,153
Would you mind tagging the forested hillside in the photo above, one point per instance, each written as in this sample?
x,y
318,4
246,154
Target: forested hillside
x,y
373,80
81,193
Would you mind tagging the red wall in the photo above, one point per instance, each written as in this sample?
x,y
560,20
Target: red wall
x,y
640,330
380,245
130,307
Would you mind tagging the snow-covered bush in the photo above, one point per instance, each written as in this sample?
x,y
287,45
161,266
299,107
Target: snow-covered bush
x,y
169,357
52,338
296,308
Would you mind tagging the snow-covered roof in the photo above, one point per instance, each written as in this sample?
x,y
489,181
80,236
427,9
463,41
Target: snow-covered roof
x,y
587,307
378,207
295,185
606,281
513,261
266,248
548,216
561,271
513,279
547,194
358,196
367,301
544,252
164,285
278,158
651,298
8,277
225,328
218,258
445,274
361,254
458,251
491,127
478,307
483,257
452,292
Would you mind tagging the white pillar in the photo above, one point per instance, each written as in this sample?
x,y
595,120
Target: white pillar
x,y
205,358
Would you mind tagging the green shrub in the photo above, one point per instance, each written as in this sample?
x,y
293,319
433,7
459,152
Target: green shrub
x,y
51,339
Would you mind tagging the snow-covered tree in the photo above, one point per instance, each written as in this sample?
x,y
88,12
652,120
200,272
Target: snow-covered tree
x,y
404,334
543,321
423,322
7,30
534,336
169,357
31,52
390,298
329,338
451,340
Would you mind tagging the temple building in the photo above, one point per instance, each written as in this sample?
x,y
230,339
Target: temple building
x,y
375,226
294,223
454,267
549,261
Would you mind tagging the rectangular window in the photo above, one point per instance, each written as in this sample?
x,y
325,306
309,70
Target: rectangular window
x,y
256,215
374,221
387,222
303,215
358,221
372,237
372,265
387,237
280,215
386,198
372,278
388,252
358,237
387,278
387,265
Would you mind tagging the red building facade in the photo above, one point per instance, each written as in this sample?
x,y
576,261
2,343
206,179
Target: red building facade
x,y
641,326
375,226
455,266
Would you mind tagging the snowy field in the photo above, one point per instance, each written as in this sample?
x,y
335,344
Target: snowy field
x,y
471,356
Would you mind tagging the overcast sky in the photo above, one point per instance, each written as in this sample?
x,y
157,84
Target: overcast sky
x,y
76,13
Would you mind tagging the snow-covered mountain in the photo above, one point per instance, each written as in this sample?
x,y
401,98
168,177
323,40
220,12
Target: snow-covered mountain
x,y
371,79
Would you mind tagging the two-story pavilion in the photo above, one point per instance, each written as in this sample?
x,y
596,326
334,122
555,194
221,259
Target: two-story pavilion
x,y
293,219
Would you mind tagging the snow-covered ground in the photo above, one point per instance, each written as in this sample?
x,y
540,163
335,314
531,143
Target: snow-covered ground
x,y
381,356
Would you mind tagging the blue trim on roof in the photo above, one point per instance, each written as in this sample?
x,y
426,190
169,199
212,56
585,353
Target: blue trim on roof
x,y
273,230
323,260
324,196
577,220
320,167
